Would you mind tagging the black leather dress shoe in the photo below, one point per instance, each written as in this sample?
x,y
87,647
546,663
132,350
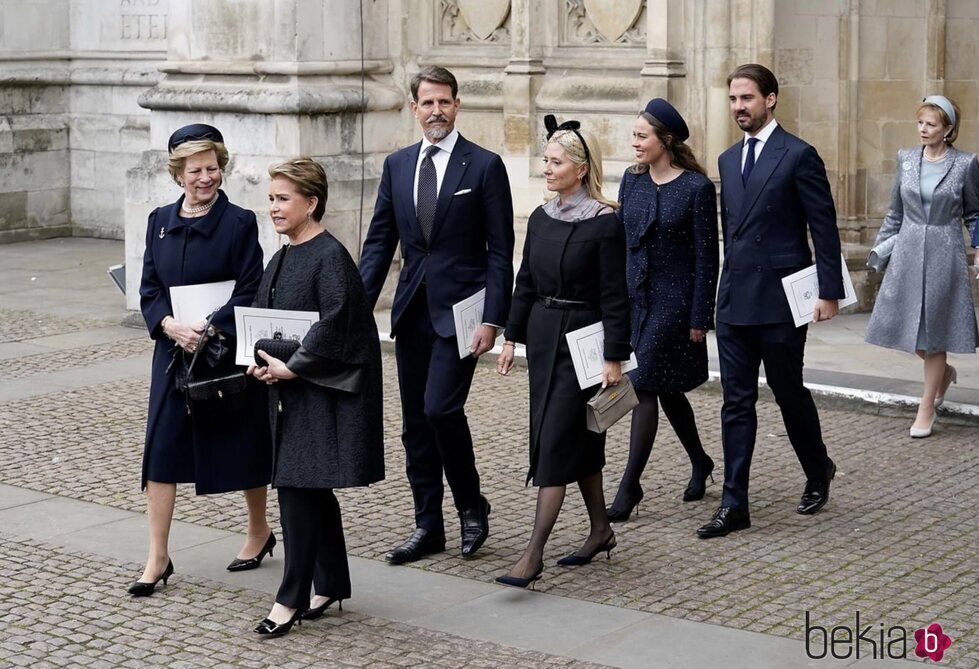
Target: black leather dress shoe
x,y
475,526
816,494
419,544
726,519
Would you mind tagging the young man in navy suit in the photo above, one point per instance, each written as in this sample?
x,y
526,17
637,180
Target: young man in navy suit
x,y
447,202
773,187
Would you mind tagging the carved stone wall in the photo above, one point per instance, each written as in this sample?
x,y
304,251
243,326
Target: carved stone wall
x,y
90,89
70,75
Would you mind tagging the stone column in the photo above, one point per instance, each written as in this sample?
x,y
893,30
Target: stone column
x,y
280,79
522,79
34,103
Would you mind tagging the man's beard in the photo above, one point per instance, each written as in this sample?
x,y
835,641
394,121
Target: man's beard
x,y
439,132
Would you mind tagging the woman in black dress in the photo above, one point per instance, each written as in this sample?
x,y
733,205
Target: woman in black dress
x,y
669,210
201,238
325,400
572,275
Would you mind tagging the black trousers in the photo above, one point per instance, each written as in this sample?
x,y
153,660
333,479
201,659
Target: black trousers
x,y
781,347
316,553
434,385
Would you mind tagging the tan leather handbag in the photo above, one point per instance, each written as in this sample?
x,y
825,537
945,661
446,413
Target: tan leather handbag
x,y
610,404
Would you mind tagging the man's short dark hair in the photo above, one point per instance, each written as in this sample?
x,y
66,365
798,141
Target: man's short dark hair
x,y
763,77
436,75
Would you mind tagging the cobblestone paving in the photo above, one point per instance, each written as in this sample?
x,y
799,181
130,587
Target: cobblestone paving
x,y
896,541
42,363
21,324
64,609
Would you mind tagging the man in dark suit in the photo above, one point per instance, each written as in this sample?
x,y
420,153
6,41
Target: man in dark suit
x,y
447,202
773,187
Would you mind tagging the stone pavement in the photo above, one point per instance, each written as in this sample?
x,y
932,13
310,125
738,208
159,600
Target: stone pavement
x,y
896,542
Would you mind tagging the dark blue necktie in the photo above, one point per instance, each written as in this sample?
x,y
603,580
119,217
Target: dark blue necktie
x,y
749,161
427,193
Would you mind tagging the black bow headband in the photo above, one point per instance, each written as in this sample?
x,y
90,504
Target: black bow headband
x,y
550,124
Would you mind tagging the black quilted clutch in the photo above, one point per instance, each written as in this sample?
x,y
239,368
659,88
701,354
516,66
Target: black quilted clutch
x,y
277,347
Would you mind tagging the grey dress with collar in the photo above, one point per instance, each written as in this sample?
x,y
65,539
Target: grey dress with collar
x,y
926,297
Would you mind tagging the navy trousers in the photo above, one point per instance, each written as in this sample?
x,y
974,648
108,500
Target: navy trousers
x,y
434,385
781,347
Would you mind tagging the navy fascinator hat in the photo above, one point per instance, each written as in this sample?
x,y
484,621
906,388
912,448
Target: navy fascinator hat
x,y
194,132
665,113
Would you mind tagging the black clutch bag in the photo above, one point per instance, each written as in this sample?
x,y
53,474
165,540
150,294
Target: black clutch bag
x,y
277,347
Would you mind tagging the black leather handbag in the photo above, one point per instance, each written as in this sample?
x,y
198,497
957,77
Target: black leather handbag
x,y
224,393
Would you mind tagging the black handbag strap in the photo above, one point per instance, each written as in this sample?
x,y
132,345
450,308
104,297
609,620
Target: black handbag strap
x,y
200,344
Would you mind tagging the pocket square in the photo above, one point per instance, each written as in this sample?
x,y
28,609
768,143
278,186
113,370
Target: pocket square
x,y
463,191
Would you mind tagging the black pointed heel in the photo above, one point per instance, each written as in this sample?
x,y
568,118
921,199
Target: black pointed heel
x,y
254,563
697,487
575,560
517,582
142,589
619,515
314,613
270,629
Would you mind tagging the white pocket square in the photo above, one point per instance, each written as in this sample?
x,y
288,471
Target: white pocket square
x,y
463,191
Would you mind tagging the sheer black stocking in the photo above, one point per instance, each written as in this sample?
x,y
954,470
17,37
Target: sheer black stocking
x,y
645,420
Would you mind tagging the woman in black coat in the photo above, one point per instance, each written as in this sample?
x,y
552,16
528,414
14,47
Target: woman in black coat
x,y
325,402
572,275
201,238
669,210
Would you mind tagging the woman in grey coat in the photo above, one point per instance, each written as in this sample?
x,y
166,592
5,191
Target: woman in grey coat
x,y
925,301
325,400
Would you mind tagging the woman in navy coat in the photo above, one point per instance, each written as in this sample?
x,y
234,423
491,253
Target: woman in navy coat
x,y
669,210
201,238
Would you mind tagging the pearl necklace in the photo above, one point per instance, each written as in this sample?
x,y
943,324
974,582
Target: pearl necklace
x,y
936,159
193,211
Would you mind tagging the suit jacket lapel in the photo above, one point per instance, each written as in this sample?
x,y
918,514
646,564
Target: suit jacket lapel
x,y
771,155
458,163
405,184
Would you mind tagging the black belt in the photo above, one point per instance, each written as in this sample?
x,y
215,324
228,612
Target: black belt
x,y
574,305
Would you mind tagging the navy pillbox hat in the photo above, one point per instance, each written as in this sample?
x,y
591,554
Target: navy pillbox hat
x,y
665,113
194,132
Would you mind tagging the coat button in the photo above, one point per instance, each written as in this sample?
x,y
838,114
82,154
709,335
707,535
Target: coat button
x,y
757,268
735,238
768,208
758,239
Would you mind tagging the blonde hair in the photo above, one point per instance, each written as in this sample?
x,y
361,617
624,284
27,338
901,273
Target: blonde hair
x,y
177,160
952,134
575,150
309,177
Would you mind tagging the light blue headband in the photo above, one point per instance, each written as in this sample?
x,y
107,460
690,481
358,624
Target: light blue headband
x,y
944,104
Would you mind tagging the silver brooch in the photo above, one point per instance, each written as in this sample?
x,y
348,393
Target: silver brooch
x,y
163,233
907,164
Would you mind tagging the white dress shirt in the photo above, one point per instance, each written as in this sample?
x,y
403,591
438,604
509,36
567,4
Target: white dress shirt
x,y
762,138
440,160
